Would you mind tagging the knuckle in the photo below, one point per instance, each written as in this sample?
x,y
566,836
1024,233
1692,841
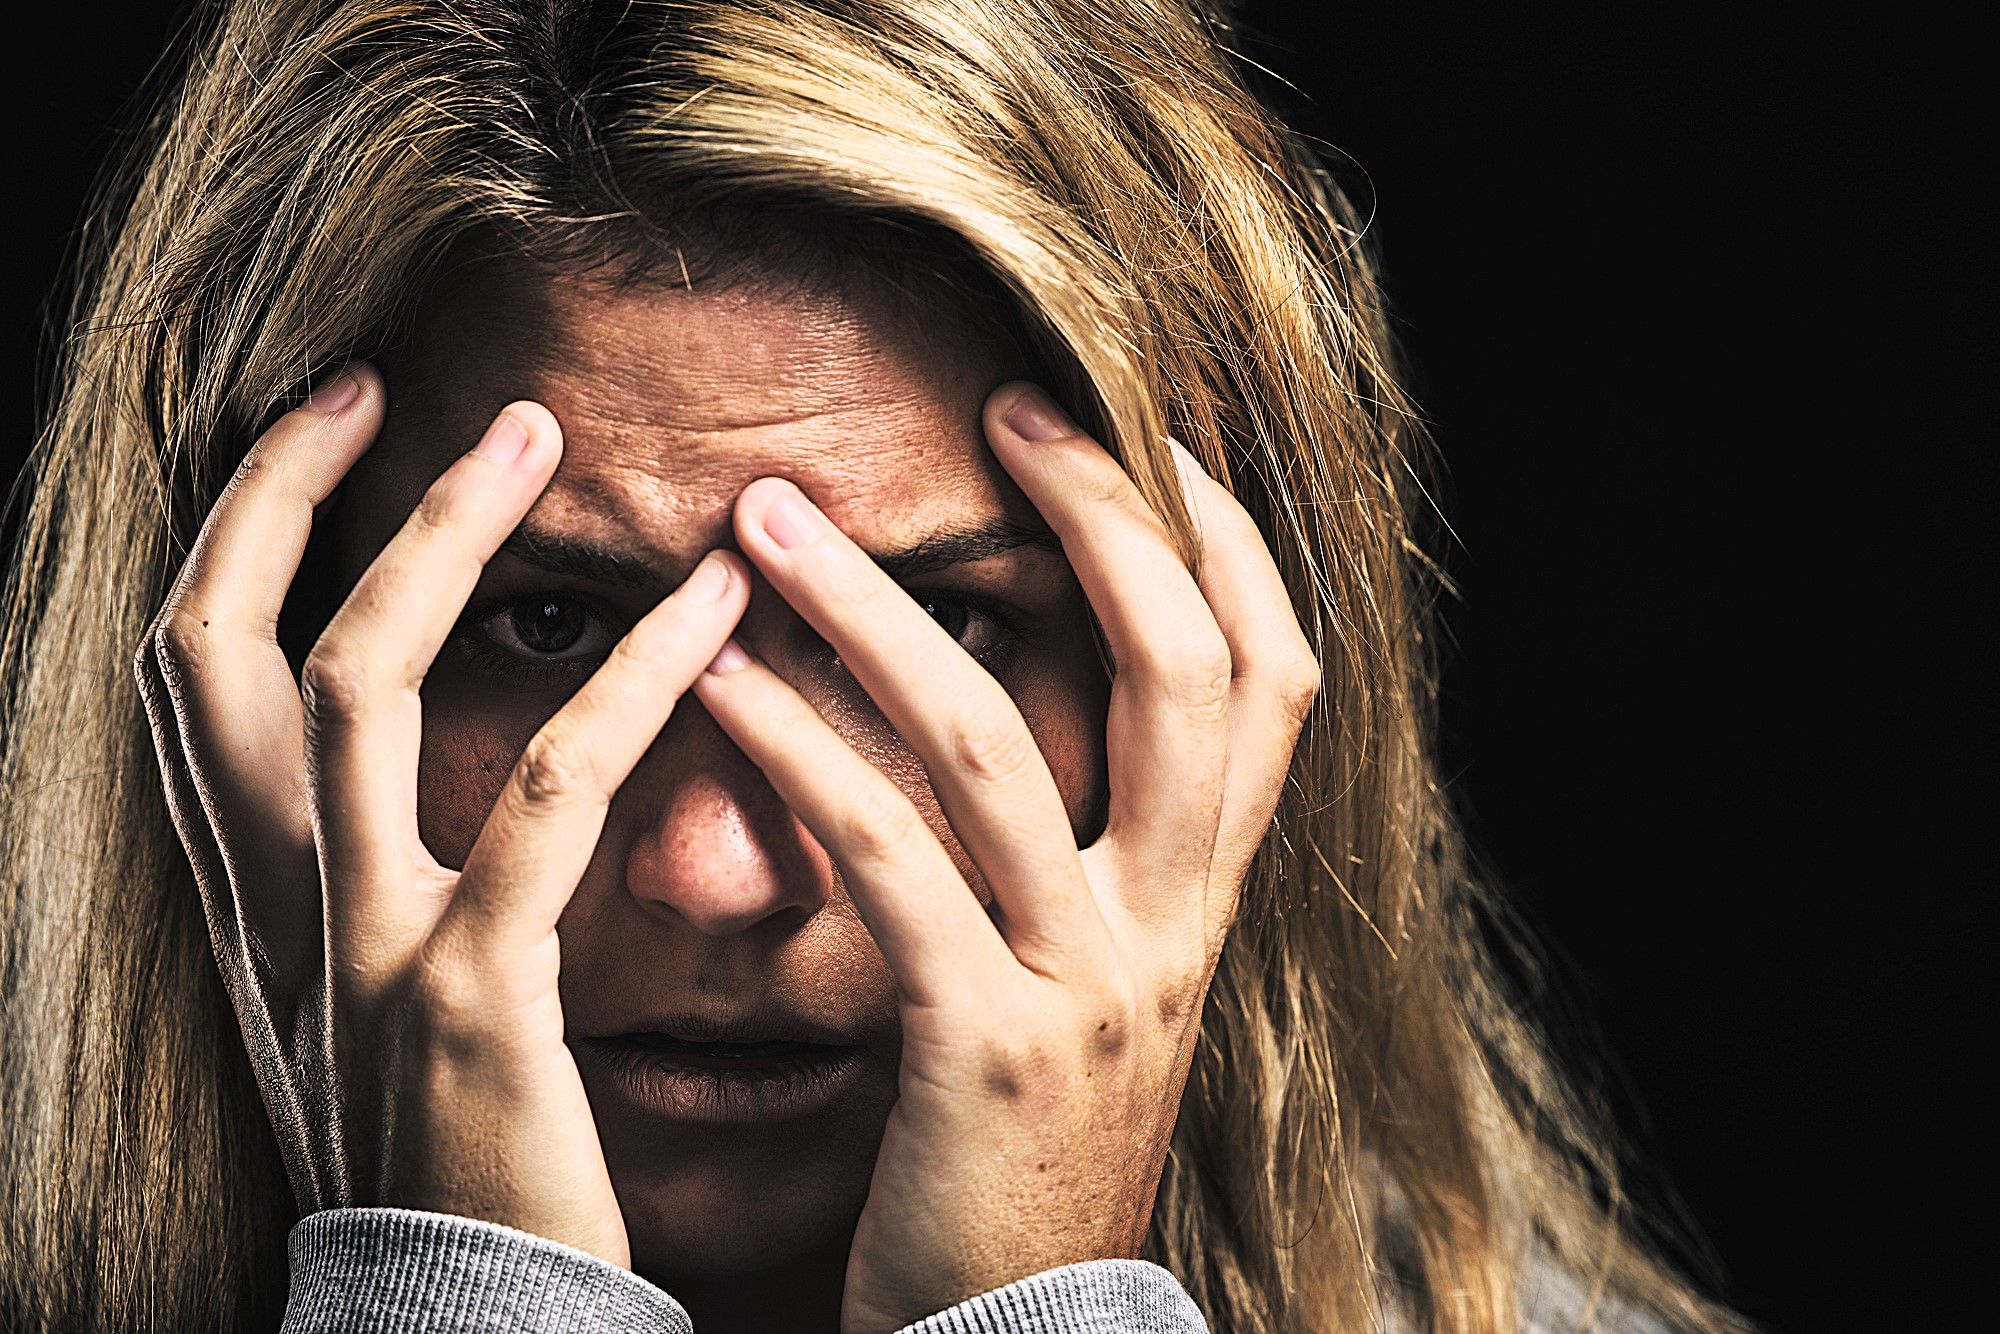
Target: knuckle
x,y
879,826
253,461
1195,676
1299,687
145,655
180,643
991,745
1181,1001
1017,1060
553,771
333,684
1002,1079
146,667
1104,485
434,512
1116,1024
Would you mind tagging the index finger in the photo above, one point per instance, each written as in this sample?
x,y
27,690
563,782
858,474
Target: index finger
x,y
215,647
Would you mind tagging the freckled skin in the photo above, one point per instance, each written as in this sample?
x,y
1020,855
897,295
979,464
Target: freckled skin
x,y
705,892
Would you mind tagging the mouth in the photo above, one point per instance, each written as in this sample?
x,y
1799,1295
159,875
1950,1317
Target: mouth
x,y
722,1054
693,1071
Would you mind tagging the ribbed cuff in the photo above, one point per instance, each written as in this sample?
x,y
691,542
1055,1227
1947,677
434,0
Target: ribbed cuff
x,y
373,1271
1094,1297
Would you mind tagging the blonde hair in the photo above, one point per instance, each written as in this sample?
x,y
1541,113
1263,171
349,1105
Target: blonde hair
x,y
1371,1130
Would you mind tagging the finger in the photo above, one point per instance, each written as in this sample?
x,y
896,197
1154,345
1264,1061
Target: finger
x,y
227,937
214,658
1275,675
989,775
544,827
930,927
193,824
1166,736
360,682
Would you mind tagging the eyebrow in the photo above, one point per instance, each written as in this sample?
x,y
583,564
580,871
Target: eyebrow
x,y
941,550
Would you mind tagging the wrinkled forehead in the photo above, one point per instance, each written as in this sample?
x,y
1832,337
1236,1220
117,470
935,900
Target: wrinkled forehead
x,y
673,398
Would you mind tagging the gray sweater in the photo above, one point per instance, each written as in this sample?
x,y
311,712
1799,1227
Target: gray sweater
x,y
360,1271
373,1271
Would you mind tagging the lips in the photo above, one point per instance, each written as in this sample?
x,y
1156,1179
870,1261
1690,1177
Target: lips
x,y
725,1052
723,1071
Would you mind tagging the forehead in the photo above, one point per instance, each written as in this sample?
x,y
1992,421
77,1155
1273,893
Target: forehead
x,y
672,400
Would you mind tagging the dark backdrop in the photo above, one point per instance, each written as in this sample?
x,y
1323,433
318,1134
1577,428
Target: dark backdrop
x,y
1695,297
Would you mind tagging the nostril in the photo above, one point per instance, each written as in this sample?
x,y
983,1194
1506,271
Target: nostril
x,y
721,852
728,910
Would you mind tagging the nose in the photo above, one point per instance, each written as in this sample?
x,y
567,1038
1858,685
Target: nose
x,y
717,848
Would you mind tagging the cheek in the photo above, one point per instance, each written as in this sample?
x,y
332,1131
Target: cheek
x,y
471,742
1066,707
469,748
1062,697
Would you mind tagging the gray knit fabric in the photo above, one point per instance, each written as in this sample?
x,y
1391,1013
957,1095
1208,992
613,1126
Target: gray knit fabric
x,y
371,1271
1094,1297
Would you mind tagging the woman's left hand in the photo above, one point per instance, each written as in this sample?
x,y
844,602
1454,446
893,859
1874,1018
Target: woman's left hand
x,y
1046,1039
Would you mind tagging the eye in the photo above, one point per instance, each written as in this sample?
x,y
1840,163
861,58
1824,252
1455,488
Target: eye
x,y
977,628
542,626
955,617
541,636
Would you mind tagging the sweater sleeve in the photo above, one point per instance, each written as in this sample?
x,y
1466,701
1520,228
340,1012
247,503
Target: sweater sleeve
x,y
372,1271
1094,1297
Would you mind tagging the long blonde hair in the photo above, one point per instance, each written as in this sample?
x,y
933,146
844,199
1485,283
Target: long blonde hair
x,y
1372,1129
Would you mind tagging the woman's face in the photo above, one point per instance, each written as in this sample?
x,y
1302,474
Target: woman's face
x,y
708,913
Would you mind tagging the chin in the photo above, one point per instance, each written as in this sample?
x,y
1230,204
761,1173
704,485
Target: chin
x,y
717,1226
708,1204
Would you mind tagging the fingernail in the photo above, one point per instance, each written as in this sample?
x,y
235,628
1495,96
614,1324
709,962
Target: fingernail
x,y
1035,416
710,580
730,658
1189,465
334,395
791,519
504,439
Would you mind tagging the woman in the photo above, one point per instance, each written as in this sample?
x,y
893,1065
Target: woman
x,y
633,899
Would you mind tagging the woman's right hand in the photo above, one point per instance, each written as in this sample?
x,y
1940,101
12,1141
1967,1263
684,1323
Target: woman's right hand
x,y
402,1016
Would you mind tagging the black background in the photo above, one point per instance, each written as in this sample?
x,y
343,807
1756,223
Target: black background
x,y
1696,299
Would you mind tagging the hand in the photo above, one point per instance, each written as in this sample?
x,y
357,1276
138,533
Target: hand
x,y
1046,1039
402,1016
